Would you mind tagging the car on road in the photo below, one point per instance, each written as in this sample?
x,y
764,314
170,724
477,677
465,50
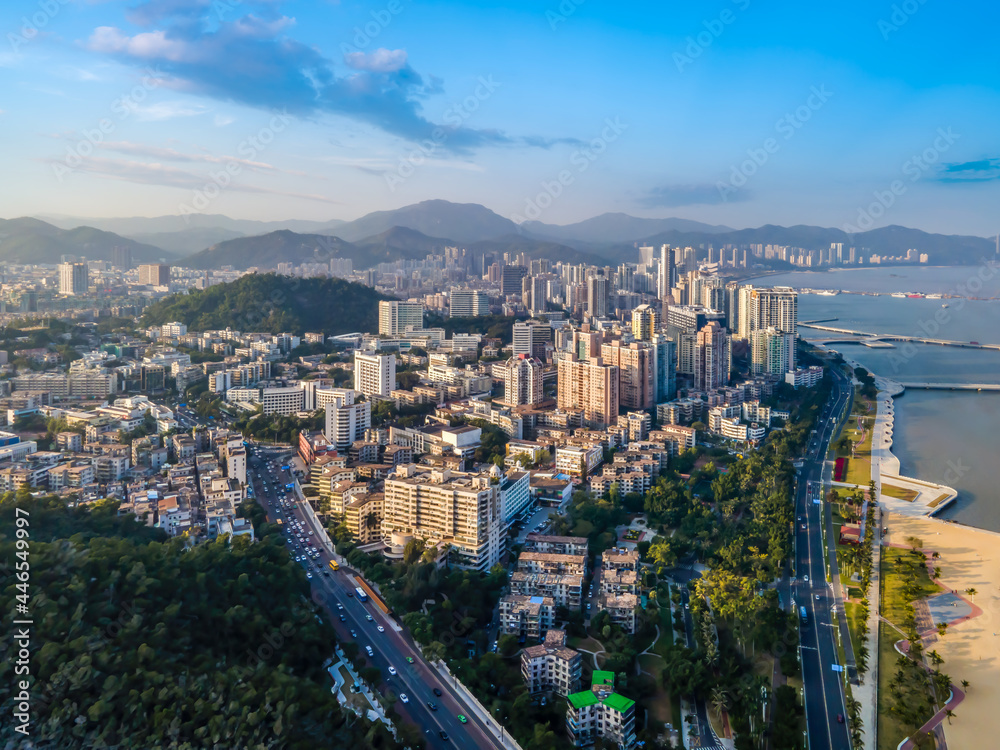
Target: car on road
x,y
343,618
462,718
404,698
368,650
310,575
437,692
410,660
817,597
369,618
443,734
381,629
392,671
805,578
340,606
840,718
432,705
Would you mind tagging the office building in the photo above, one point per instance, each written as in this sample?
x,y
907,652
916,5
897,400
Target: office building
x,y
121,257
522,376
712,357
73,278
664,361
598,292
395,317
511,278
589,386
374,374
453,509
284,400
347,423
154,274
666,276
530,338
468,303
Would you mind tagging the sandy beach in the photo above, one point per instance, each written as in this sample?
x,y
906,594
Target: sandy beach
x,y
971,649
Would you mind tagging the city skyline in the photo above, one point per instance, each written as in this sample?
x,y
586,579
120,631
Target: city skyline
x,y
733,114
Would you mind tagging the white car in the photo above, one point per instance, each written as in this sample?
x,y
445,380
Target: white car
x,y
403,698
382,630
392,671
310,575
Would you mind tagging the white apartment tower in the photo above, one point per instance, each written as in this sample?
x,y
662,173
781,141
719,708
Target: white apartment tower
x,y
522,380
374,374
457,509
395,317
73,278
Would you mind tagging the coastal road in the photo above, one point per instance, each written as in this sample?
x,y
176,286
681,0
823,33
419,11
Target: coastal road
x,y
823,685
707,739
416,679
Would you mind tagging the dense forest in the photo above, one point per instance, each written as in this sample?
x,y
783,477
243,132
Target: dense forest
x,y
274,304
139,641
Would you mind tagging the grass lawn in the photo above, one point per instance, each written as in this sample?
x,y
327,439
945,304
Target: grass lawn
x,y
893,602
890,731
856,625
900,493
938,500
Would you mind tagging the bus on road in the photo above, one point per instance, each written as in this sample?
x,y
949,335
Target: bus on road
x,y
363,597
334,565
803,615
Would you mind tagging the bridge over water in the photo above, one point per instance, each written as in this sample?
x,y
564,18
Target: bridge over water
x,y
870,336
953,386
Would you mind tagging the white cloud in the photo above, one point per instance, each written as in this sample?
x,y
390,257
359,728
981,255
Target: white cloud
x,y
148,45
380,61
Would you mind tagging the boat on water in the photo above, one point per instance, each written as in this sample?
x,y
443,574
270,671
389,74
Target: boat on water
x,y
828,292
915,295
898,295
944,305
934,296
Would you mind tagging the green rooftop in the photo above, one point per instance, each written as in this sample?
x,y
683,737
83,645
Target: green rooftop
x,y
582,699
619,703
603,678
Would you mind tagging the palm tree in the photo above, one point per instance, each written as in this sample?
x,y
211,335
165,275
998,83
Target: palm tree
x,y
942,628
949,713
965,685
720,699
971,592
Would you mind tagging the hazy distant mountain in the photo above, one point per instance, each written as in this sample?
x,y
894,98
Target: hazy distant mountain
x,y
27,240
617,227
397,243
460,222
143,225
533,248
267,250
187,241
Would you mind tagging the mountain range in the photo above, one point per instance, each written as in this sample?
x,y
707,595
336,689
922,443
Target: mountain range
x,y
411,232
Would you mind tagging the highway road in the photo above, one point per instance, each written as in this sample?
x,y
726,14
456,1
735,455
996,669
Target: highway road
x,y
824,692
350,618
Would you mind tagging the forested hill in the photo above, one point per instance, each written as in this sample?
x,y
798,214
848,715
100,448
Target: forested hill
x,y
274,304
138,642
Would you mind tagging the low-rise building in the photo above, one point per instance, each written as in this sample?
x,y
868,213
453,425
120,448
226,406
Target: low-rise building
x,y
601,713
551,666
526,616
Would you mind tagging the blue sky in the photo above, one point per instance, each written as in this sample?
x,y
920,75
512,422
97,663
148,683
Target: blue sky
x,y
737,112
